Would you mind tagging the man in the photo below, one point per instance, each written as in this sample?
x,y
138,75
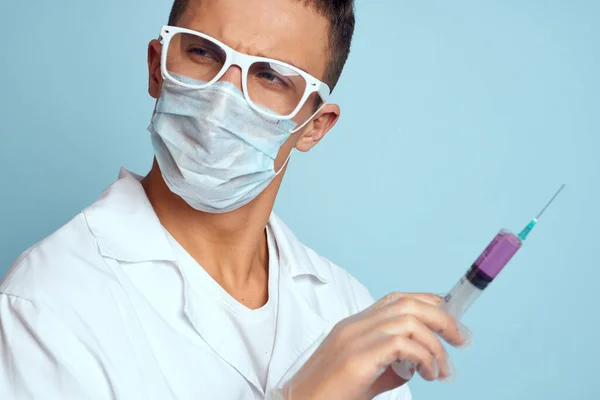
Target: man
x,y
183,284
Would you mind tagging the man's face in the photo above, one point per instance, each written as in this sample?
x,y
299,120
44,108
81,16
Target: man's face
x,y
285,30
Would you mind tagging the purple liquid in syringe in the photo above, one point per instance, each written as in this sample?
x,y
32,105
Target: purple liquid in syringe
x,y
495,256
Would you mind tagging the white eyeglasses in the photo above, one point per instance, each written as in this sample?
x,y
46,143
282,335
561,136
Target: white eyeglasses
x,y
273,88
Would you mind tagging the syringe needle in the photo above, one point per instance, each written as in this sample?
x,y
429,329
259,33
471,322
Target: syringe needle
x,y
551,200
525,232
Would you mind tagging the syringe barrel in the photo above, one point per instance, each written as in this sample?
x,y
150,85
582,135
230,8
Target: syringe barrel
x,y
483,271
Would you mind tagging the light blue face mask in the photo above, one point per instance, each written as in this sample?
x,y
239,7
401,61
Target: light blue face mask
x,y
213,149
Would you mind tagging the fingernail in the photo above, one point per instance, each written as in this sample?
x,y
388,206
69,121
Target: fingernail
x,y
404,370
451,371
466,336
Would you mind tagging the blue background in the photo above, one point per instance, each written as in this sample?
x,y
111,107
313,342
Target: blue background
x,y
459,118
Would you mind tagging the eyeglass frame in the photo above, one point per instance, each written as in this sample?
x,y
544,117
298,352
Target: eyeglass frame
x,y
243,61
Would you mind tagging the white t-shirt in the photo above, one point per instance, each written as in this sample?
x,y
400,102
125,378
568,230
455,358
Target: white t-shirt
x,y
256,329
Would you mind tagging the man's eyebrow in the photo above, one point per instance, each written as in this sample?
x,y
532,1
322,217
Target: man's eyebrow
x,y
256,54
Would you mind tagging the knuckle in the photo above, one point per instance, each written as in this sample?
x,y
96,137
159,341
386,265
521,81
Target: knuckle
x,y
390,297
435,299
398,342
407,304
409,322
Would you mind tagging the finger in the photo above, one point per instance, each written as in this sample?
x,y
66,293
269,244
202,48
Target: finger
x,y
386,349
396,347
433,317
430,298
394,296
384,301
411,327
366,319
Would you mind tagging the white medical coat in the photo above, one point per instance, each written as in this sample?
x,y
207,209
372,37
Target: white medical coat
x,y
100,310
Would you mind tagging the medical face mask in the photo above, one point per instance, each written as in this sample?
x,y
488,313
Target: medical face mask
x,y
213,149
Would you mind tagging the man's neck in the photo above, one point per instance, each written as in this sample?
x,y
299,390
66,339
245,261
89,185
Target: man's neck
x,y
231,247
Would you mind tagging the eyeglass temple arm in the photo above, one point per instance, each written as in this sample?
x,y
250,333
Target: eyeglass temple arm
x,y
324,92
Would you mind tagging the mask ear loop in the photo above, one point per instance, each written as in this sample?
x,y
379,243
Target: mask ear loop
x,y
285,163
296,130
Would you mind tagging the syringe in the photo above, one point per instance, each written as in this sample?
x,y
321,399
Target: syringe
x,y
483,271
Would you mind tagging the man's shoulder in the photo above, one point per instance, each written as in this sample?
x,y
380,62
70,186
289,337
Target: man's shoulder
x,y
350,290
340,277
65,263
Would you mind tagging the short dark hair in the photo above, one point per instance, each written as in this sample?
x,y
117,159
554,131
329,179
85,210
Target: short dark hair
x,y
340,14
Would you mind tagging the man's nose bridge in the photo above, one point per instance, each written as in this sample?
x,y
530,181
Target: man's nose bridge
x,y
233,75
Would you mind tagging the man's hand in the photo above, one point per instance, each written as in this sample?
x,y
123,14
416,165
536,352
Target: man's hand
x,y
353,362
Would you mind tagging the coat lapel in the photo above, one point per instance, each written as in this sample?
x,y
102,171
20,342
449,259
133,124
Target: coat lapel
x,y
298,329
299,326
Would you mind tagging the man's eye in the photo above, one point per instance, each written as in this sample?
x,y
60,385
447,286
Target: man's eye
x,y
200,52
269,76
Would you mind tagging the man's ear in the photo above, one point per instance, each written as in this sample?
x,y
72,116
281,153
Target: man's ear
x,y
316,130
154,75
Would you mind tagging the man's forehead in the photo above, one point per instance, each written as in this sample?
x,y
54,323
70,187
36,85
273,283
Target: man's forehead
x,y
286,30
